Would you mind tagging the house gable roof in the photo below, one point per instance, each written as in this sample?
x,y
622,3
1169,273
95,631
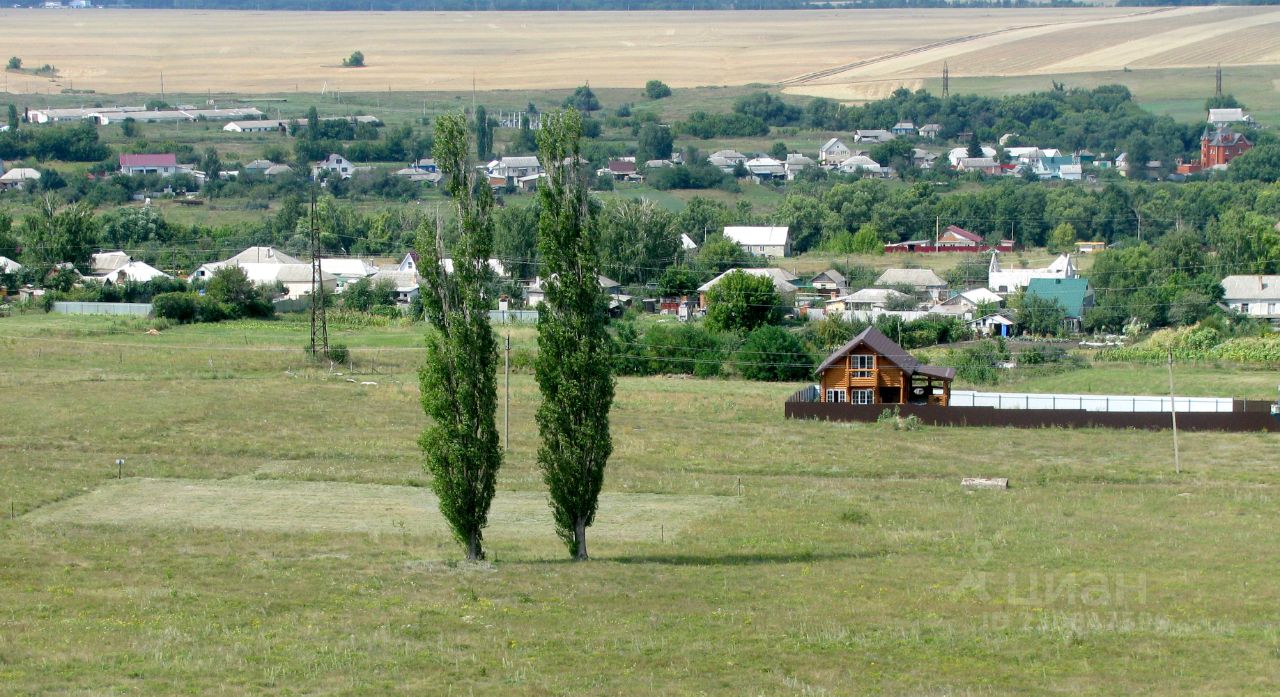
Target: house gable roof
x,y
757,236
920,278
963,233
167,159
883,346
1251,287
1071,293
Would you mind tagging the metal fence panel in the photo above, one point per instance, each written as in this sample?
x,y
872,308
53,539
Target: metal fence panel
x,y
80,308
1128,404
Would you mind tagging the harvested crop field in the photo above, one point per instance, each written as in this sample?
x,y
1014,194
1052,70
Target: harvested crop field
x,y
829,52
248,504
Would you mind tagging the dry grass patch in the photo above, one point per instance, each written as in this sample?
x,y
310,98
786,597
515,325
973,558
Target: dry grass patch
x,y
335,507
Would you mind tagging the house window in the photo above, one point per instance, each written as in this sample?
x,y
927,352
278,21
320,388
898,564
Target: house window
x,y
836,396
863,397
861,365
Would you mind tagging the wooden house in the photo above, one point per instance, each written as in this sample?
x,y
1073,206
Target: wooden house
x,y
872,369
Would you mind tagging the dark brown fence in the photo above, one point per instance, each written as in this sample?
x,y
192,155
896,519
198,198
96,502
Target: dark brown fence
x,y
1249,415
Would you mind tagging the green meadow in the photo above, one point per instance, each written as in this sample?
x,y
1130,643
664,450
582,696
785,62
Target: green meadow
x,y
271,531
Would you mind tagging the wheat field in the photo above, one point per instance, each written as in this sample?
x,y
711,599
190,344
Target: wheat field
x,y
852,54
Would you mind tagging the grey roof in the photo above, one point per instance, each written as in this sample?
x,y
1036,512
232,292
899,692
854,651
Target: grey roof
x,y
832,275
920,278
781,279
263,255
1251,287
875,340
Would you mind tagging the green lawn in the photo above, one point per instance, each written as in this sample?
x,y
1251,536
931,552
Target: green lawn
x,y
851,561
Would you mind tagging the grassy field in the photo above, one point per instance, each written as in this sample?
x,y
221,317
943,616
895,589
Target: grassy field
x,y
264,539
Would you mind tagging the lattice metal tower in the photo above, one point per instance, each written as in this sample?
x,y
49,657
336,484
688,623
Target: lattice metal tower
x,y
946,80
319,324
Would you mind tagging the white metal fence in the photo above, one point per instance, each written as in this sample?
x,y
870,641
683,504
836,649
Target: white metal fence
x,y
1088,402
79,308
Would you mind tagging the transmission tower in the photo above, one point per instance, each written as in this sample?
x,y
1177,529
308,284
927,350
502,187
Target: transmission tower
x,y
1217,86
319,324
946,80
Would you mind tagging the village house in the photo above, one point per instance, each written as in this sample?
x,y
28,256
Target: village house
x,y
862,164
8,265
132,272
959,237
994,324
985,165
1089,247
406,285
833,152
334,164
106,262
797,163
872,136
536,294
733,157
930,131
782,283
872,369
764,169
17,178
923,159
867,300
258,166
252,255
620,170
922,281
966,304
1218,147
1226,117
1253,295
346,270
511,170
1005,281
831,282
163,164
904,128
771,241
955,155
1073,294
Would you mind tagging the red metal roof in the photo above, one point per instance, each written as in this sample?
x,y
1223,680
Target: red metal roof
x,y
961,232
167,159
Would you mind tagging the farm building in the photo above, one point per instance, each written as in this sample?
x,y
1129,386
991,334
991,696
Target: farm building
x,y
872,369
1226,117
164,164
267,126
761,241
1254,295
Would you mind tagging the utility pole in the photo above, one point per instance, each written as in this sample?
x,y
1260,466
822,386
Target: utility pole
x,y
319,324
506,409
1217,87
1173,414
946,80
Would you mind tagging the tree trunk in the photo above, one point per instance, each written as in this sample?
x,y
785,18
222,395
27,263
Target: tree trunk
x,y
580,536
474,551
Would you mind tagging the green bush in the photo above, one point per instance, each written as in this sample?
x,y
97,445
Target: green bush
x,y
687,349
774,354
208,309
179,307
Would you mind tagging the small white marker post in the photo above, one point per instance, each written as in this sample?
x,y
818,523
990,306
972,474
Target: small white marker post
x,y
120,468
1173,414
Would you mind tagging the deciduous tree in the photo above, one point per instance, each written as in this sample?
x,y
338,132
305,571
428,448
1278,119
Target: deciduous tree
x,y
459,378
574,349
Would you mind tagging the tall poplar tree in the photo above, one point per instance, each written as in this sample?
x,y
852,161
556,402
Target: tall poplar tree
x,y
484,133
574,351
459,378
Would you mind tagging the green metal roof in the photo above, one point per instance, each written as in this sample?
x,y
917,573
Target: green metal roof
x,y
1071,293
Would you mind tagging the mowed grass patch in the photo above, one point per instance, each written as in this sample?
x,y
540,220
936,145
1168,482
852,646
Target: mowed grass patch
x,y
338,507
